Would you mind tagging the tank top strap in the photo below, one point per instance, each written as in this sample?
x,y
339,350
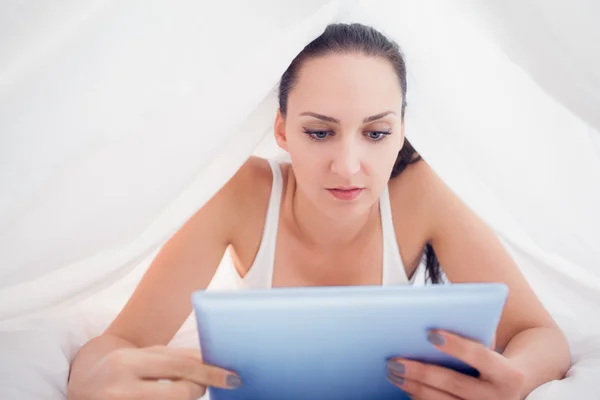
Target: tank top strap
x,y
394,272
260,274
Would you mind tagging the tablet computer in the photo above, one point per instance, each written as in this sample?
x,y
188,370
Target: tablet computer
x,y
333,342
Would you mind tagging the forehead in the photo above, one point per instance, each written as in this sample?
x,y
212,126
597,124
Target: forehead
x,y
342,83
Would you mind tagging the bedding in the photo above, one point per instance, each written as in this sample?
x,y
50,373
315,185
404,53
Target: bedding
x,y
35,353
73,224
35,356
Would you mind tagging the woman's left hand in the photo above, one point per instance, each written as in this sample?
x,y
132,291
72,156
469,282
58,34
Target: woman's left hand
x,y
498,379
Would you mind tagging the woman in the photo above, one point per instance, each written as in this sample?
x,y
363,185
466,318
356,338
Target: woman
x,y
331,217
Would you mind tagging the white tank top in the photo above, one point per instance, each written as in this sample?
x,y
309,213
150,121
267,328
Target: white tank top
x,y
260,274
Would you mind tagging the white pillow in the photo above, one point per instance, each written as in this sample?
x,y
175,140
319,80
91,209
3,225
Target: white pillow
x,y
35,355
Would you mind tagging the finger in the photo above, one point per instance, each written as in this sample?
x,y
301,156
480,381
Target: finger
x,y
443,379
193,354
170,390
232,380
162,365
491,365
418,390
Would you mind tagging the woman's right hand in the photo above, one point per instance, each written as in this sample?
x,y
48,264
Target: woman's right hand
x,y
156,372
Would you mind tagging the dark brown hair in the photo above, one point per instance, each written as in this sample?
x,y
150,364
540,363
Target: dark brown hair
x,y
358,38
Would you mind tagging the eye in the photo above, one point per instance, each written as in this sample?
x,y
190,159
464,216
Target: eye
x,y
318,135
376,136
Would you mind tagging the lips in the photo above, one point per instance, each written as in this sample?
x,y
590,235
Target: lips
x,y
346,193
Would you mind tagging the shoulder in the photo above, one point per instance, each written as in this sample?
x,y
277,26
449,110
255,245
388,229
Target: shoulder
x,y
241,197
248,188
411,203
419,191
254,176
415,190
418,181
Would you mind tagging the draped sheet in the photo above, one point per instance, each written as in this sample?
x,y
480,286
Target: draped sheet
x,y
119,126
118,120
121,119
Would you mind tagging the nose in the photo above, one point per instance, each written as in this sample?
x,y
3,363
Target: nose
x,y
346,160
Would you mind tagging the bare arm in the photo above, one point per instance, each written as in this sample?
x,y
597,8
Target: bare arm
x,y
161,302
469,251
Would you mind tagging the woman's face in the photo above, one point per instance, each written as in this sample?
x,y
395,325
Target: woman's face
x,y
343,130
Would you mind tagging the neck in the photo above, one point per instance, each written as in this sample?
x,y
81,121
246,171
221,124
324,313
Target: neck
x,y
317,229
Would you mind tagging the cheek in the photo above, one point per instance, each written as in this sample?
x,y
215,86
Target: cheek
x,y
391,156
381,159
393,151
307,157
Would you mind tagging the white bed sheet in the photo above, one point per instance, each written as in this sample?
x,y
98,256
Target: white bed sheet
x,y
35,355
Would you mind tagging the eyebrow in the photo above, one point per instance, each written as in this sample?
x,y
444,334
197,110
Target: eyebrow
x,y
337,121
377,116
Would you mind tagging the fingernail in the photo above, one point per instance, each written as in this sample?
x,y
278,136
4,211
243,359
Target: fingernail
x,y
398,380
436,338
233,381
396,367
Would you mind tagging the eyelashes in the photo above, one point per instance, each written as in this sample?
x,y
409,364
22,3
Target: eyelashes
x,y
378,136
321,135
318,135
